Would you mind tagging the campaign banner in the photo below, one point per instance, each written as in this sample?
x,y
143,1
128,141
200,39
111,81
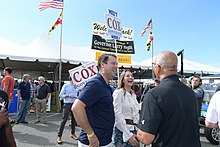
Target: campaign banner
x,y
122,59
101,30
108,45
81,74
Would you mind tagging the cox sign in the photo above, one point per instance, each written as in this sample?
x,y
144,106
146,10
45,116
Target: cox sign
x,y
113,24
80,75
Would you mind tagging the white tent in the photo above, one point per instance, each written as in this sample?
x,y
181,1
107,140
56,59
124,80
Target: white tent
x,y
188,66
43,55
45,49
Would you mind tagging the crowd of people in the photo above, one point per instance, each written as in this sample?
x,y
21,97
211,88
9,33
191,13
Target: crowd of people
x,y
164,114
28,94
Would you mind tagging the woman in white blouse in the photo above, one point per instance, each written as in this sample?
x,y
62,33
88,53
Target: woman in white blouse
x,y
126,112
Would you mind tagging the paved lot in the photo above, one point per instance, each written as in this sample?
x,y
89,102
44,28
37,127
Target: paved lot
x,y
44,135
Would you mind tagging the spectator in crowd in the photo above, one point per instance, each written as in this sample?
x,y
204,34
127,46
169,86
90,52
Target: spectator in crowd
x,y
137,91
196,82
94,110
6,134
8,86
69,95
1,77
16,83
61,100
43,93
24,98
168,115
32,95
148,87
213,113
126,112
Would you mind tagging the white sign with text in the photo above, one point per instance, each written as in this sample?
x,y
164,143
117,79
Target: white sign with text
x,y
81,74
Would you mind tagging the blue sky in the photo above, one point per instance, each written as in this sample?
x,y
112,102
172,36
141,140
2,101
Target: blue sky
x,y
192,25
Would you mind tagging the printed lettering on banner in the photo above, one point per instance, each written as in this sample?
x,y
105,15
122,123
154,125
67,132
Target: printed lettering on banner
x,y
101,30
113,24
81,74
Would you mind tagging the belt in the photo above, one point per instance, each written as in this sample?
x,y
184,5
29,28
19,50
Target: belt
x,y
40,98
130,122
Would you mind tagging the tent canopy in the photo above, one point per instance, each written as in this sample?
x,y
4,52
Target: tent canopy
x,y
188,67
42,57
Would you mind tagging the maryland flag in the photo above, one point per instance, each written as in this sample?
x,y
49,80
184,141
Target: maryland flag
x,y
59,21
150,39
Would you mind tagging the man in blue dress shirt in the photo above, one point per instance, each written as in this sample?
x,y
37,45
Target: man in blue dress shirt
x,y
69,94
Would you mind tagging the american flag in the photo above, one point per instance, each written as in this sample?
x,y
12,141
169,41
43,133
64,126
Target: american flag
x,y
57,4
149,25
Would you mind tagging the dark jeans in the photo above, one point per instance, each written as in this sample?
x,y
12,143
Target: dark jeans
x,y
66,113
22,110
118,140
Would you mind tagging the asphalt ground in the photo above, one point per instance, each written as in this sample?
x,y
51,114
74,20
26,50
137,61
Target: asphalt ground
x,y
44,135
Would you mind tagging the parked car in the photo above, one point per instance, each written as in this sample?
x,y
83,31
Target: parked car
x,y
211,134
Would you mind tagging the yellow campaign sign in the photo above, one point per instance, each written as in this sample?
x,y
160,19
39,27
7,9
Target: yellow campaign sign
x,y
122,59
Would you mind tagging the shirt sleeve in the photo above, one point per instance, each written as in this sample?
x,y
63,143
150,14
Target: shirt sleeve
x,y
150,116
199,93
63,92
20,86
6,81
211,114
119,117
91,93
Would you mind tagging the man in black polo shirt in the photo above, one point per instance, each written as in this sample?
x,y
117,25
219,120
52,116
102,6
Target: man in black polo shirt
x,y
169,111
43,93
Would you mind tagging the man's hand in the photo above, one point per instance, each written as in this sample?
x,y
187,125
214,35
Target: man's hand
x,y
20,100
133,141
71,96
4,119
93,141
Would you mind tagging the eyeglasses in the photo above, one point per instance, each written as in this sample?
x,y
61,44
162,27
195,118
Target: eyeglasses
x,y
155,64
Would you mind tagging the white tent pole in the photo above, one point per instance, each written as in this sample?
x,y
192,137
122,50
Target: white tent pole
x,y
60,63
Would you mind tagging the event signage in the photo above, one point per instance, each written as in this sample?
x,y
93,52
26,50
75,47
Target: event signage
x,y
113,24
122,59
108,45
101,29
81,74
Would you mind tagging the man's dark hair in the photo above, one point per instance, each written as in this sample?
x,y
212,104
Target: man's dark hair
x,y
104,58
200,80
8,69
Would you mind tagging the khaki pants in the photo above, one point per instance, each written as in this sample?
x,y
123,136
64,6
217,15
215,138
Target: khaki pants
x,y
41,109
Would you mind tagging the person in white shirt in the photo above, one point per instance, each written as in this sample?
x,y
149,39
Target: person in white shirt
x,y
126,109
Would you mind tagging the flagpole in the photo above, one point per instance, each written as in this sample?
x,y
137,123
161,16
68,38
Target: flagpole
x,y
60,63
152,56
152,53
116,51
